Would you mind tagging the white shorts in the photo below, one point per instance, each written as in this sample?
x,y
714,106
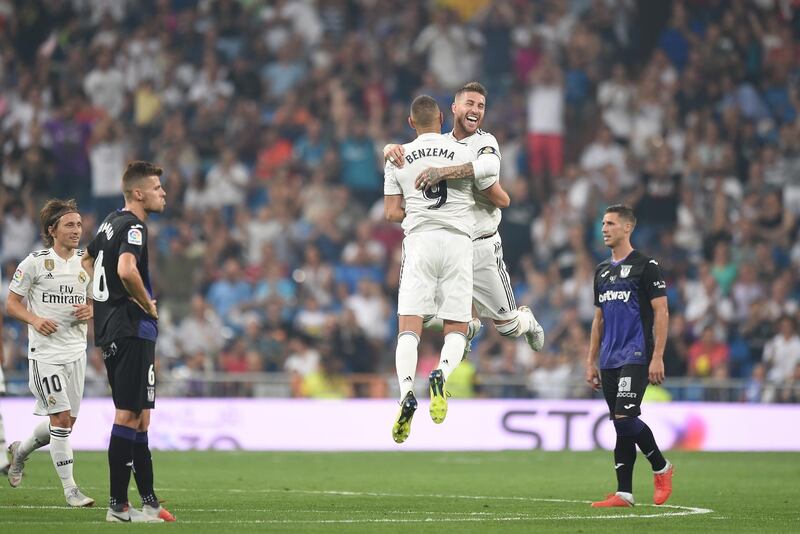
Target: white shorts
x,y
436,275
57,387
491,290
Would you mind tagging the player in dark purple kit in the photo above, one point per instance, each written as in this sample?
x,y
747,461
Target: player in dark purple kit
x,y
629,332
126,328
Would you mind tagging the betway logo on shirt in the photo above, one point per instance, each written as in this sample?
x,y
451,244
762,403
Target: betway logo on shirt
x,y
614,295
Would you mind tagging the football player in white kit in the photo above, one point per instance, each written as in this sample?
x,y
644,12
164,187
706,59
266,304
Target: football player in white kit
x,y
57,311
436,269
492,293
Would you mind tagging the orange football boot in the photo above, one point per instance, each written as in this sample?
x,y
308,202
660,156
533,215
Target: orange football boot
x,y
663,485
612,500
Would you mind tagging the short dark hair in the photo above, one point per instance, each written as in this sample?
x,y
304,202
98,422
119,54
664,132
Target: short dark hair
x,y
473,87
424,111
624,212
136,172
51,213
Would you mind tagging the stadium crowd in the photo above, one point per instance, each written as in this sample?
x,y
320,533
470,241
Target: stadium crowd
x,y
269,118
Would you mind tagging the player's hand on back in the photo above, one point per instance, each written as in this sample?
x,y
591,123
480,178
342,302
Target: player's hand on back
x,y
83,312
394,155
45,326
593,376
428,178
150,309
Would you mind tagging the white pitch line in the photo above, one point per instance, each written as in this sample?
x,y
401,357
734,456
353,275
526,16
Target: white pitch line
x,y
683,510
469,517
255,510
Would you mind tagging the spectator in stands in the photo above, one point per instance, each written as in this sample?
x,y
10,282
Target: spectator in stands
x,y
226,181
108,154
676,351
450,49
311,318
230,291
19,231
302,360
789,392
105,85
782,352
364,250
707,354
551,378
603,151
201,330
371,310
615,96
545,126
178,275
359,163
703,128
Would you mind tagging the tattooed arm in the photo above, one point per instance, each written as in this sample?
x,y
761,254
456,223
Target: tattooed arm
x,y
432,175
487,165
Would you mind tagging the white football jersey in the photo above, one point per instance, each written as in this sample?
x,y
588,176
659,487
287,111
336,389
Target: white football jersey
x,y
52,285
447,205
487,215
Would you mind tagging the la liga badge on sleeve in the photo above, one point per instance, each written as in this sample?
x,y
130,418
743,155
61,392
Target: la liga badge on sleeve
x,y
135,236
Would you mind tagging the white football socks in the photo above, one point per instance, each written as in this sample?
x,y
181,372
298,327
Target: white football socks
x,y
518,326
663,469
627,496
405,360
61,453
37,440
511,328
452,352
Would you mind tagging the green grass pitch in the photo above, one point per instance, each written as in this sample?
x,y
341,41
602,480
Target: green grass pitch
x,y
421,492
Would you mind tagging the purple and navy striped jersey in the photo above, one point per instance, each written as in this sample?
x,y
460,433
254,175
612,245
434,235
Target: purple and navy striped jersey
x,y
623,291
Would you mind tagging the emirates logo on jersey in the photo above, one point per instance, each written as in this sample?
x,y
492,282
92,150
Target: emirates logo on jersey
x,y
66,295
